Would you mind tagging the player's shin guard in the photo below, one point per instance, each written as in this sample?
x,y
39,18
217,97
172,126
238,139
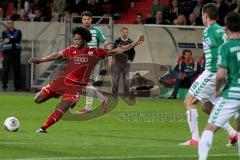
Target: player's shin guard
x,y
205,144
192,118
53,118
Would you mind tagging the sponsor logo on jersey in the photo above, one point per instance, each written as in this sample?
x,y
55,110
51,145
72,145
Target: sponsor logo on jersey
x,y
79,60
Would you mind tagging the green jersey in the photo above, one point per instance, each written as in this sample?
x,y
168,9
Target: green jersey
x,y
229,58
213,37
97,37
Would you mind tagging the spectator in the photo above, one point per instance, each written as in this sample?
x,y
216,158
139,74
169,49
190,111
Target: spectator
x,y
159,19
192,19
58,6
173,11
237,7
157,6
78,6
2,16
11,51
122,64
186,74
139,19
201,64
38,16
94,7
223,9
22,16
181,20
197,11
67,15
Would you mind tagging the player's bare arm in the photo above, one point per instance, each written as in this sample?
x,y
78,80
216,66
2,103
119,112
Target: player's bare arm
x,y
51,57
106,45
120,50
220,80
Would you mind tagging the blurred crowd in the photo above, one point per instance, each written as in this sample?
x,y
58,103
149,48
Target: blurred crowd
x,y
45,10
178,12
185,12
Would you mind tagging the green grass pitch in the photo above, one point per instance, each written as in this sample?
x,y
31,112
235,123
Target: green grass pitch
x,y
151,130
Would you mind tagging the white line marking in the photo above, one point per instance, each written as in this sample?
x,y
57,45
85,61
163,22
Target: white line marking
x,y
101,145
123,157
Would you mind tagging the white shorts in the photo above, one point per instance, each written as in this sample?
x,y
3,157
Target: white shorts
x,y
203,87
224,111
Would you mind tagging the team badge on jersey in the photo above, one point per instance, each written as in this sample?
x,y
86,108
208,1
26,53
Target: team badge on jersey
x,y
90,53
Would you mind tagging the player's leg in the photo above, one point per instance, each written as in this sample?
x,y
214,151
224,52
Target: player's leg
x,y
192,119
220,115
201,90
61,108
206,141
238,130
233,137
45,94
94,93
90,89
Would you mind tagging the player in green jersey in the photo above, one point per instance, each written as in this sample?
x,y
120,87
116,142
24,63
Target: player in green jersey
x,y
203,88
97,39
228,75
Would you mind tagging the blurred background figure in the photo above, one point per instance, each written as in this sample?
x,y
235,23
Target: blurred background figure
x,y
11,52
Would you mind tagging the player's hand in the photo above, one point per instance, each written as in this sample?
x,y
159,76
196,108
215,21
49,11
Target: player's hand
x,y
35,60
140,38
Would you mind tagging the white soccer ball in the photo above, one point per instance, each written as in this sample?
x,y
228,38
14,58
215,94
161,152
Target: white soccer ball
x,y
11,124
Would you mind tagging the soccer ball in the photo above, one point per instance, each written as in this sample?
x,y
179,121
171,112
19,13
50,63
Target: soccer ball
x,y
11,124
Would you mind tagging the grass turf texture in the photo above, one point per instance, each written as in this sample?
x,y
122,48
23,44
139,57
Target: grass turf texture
x,y
149,131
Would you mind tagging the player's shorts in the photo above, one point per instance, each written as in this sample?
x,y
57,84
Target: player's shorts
x,y
224,111
203,87
96,71
65,88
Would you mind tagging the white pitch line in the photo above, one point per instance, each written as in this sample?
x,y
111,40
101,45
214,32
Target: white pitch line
x,y
122,157
99,145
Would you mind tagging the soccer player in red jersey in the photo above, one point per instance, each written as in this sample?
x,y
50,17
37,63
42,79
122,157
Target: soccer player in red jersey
x,y
70,83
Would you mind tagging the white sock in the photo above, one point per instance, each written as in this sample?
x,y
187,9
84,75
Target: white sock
x,y
205,144
227,127
89,97
238,143
192,118
93,92
99,95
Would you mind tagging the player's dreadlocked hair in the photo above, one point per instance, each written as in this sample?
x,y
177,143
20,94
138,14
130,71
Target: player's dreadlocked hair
x,y
232,20
83,32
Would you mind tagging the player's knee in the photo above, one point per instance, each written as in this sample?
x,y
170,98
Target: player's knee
x,y
37,100
206,110
187,103
212,128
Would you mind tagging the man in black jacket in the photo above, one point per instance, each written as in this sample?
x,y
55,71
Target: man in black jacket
x,y
11,52
122,64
